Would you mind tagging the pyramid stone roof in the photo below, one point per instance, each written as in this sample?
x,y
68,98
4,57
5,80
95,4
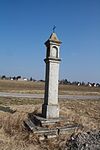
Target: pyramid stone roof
x,y
53,38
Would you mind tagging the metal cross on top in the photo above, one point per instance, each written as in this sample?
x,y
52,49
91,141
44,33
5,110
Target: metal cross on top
x,y
54,28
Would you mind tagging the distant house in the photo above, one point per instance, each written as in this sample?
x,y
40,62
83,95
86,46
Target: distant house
x,y
25,79
89,84
97,85
3,77
94,84
79,84
22,79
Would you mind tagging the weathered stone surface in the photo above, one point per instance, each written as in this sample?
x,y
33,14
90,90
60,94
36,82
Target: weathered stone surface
x,y
67,129
30,124
50,108
50,111
49,128
45,131
84,141
45,122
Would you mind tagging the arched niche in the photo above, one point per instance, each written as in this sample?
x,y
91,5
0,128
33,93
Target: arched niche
x,y
54,52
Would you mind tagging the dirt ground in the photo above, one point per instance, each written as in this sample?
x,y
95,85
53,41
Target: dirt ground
x,y
13,135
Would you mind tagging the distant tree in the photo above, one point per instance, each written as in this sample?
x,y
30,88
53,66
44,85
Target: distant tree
x,y
18,77
75,83
31,79
41,80
14,78
3,77
98,85
65,81
83,83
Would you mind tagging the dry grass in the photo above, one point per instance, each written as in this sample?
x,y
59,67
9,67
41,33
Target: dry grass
x,y
38,88
84,112
78,90
19,101
21,86
13,135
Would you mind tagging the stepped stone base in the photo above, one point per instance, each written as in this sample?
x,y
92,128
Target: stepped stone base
x,y
49,128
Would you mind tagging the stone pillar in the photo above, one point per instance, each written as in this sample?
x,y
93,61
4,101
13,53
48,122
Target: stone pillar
x,y
50,108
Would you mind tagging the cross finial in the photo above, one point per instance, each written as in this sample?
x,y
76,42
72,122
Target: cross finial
x,y
54,27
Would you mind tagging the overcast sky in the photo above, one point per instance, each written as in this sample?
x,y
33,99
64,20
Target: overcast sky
x,y
26,24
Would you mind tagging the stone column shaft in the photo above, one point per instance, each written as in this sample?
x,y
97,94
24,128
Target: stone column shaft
x,y
50,108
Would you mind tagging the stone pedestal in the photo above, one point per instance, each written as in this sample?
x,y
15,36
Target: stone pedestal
x,y
50,111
